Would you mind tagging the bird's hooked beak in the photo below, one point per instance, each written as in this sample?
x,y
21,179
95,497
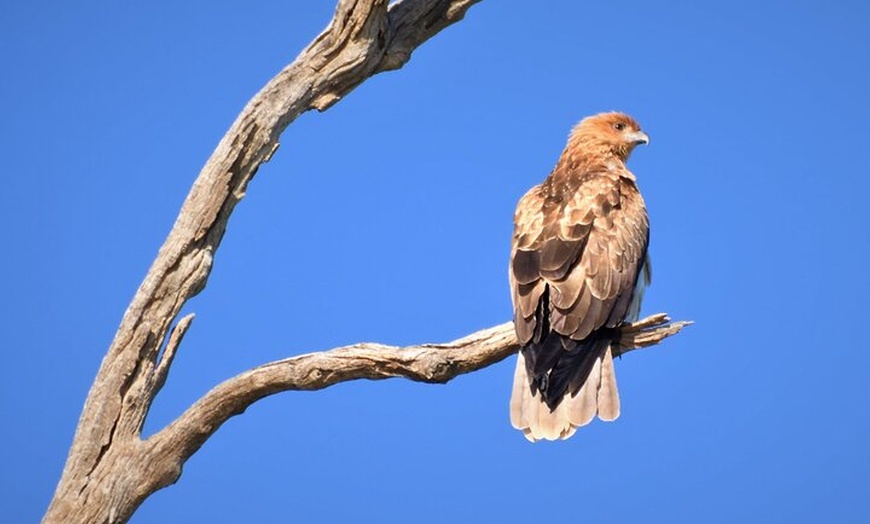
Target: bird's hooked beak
x,y
638,137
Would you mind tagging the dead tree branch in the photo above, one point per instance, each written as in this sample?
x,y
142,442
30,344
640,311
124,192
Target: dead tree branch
x,y
364,37
434,363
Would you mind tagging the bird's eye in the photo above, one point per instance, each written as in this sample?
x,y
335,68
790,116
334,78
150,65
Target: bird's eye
x,y
619,126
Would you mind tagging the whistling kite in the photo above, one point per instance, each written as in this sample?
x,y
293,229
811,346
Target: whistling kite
x,y
578,268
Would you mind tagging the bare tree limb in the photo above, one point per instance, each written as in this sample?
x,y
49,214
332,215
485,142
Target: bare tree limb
x,y
363,38
647,332
434,363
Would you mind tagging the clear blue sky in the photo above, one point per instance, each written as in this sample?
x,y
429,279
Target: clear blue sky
x,y
387,218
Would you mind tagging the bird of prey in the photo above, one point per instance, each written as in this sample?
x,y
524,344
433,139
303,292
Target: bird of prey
x,y
577,271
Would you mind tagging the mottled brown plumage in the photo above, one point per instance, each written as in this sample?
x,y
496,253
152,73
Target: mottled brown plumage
x,y
578,266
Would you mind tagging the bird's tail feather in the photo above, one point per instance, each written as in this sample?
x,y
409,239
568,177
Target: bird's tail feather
x,y
598,395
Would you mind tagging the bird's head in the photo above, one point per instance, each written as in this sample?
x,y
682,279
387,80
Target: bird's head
x,y
616,133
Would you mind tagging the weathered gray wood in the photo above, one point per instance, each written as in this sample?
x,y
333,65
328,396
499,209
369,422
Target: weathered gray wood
x,y
363,38
435,363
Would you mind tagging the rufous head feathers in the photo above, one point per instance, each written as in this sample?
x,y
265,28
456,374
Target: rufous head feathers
x,y
615,133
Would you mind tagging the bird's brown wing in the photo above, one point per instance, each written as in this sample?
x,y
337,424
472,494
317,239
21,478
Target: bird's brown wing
x,y
524,272
597,290
578,247
583,245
